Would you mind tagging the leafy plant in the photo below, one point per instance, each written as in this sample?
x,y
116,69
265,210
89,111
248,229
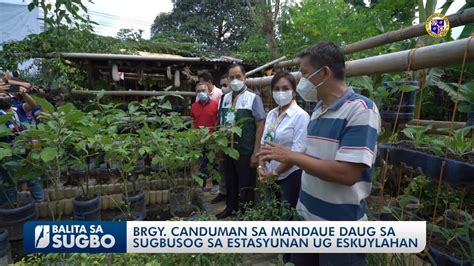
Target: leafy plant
x,y
456,237
457,142
50,155
416,133
269,210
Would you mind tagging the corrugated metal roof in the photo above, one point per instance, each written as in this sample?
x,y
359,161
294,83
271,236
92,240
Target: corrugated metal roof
x,y
152,57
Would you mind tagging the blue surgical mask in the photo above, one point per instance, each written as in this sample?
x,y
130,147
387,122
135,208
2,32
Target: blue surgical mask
x,y
202,96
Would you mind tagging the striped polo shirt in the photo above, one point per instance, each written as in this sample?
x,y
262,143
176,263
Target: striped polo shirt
x,y
347,131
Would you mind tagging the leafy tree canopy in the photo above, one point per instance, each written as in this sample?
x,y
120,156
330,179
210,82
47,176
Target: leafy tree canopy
x,y
217,25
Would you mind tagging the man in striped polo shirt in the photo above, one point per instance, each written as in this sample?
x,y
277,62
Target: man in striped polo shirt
x,y
340,148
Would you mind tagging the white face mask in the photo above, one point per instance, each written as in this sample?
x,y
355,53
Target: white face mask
x,y
307,90
225,89
282,98
236,84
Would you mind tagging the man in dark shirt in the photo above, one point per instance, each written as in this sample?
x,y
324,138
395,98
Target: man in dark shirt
x,y
241,108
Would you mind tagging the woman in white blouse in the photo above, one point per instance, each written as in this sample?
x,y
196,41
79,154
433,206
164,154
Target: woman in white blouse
x,y
285,125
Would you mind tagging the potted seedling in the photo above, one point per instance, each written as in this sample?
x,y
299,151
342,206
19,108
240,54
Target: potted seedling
x,y
456,218
180,161
467,101
87,205
426,154
123,149
451,246
398,108
16,210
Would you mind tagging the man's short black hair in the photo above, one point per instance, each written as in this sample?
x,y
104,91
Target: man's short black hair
x,y
206,76
224,76
326,53
236,65
201,84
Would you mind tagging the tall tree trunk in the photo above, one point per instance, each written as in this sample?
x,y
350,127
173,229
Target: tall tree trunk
x,y
267,25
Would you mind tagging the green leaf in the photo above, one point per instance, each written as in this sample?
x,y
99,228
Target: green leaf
x,y
74,117
223,142
5,153
48,154
67,108
44,103
233,153
236,130
166,106
4,118
31,6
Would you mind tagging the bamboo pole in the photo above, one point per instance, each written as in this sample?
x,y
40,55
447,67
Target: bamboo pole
x,y
461,18
134,93
458,19
434,123
443,54
271,63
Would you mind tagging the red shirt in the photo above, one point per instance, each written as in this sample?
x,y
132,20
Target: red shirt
x,y
204,114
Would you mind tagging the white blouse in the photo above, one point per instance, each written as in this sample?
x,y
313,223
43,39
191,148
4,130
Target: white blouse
x,y
290,132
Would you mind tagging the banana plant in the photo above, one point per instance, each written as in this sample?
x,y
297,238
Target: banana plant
x,y
424,75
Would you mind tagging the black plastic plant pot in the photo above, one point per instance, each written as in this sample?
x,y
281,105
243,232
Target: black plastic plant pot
x,y
188,213
470,116
455,172
124,217
442,258
388,112
3,241
137,203
180,198
5,255
456,218
86,209
395,215
13,219
78,171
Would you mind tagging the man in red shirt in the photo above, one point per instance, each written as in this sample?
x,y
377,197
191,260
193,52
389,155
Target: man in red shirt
x,y
204,114
204,111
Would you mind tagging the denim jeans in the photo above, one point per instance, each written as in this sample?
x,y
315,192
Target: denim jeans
x,y
9,191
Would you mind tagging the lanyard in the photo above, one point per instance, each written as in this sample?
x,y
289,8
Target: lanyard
x,y
274,125
234,102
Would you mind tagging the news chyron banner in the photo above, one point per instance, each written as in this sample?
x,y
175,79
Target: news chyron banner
x,y
224,237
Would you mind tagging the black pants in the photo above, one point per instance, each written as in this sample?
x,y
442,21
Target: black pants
x,y
204,168
288,189
240,180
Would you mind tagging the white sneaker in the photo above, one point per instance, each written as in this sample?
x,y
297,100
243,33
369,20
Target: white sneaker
x,y
215,190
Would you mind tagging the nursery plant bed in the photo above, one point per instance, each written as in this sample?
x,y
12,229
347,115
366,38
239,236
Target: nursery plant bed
x,y
451,254
389,111
457,171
